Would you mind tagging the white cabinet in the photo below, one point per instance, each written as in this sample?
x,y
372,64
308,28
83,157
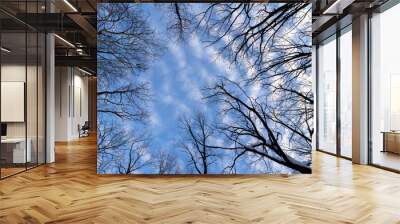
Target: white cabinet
x,y
18,147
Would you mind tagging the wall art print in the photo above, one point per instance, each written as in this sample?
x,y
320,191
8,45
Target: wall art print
x,y
204,88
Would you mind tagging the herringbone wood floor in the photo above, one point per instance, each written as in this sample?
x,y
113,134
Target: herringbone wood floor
x,y
69,191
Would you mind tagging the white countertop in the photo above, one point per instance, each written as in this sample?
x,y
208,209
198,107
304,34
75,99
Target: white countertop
x,y
13,140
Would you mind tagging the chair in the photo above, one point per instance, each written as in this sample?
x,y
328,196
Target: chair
x,y
84,130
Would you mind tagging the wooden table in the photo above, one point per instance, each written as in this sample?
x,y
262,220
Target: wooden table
x,y
391,141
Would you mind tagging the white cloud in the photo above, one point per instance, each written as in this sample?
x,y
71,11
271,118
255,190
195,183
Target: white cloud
x,y
178,54
255,90
146,156
127,127
154,119
190,87
223,65
165,95
206,76
196,46
181,109
215,141
167,99
226,119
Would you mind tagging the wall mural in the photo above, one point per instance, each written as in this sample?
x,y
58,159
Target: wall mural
x,y
195,88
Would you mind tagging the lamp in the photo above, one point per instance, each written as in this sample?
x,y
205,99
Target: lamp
x,y
84,71
5,50
70,5
337,7
64,40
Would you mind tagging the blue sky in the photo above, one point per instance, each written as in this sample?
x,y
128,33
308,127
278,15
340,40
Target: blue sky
x,y
177,79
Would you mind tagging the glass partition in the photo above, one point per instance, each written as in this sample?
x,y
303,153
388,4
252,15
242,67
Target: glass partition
x,y
385,89
13,94
345,44
327,95
22,88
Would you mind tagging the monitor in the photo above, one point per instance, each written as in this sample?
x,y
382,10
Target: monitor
x,y
3,129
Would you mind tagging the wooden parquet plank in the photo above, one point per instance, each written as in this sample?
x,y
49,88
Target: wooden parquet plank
x,y
70,191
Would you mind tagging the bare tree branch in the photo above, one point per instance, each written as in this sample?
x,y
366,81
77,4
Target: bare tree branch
x,y
254,129
199,134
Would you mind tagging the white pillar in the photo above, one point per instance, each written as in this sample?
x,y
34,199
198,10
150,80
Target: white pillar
x,y
360,89
314,89
50,99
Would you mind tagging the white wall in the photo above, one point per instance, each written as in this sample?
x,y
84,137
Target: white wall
x,y
79,117
14,72
17,73
70,83
13,100
62,81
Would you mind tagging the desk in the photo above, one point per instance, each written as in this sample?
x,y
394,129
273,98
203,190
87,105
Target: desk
x,y
391,141
16,147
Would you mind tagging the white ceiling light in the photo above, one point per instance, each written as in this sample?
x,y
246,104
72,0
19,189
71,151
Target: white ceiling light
x,y
79,51
70,5
84,71
338,6
65,41
5,50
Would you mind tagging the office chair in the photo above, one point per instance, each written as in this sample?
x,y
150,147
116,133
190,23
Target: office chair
x,y
84,130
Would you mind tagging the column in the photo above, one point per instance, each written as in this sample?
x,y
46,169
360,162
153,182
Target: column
x,y
360,89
